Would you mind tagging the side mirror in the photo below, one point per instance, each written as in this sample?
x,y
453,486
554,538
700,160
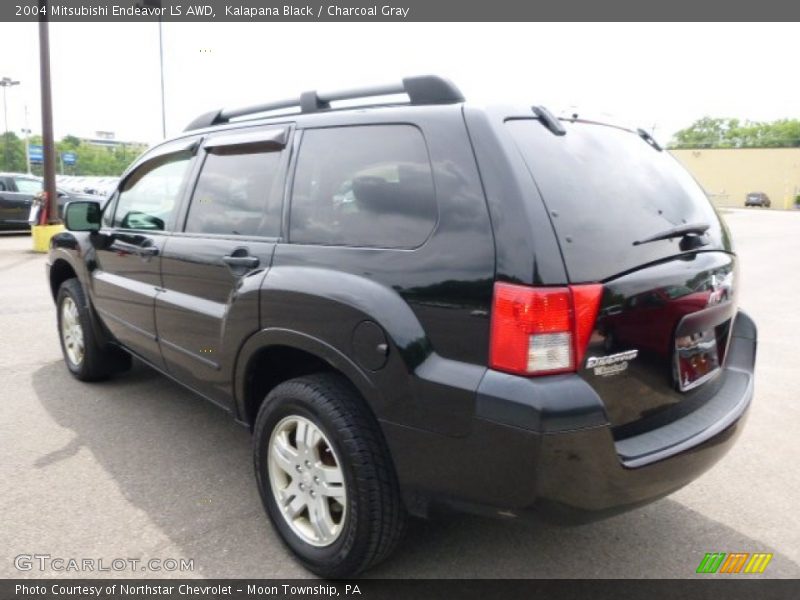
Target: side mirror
x,y
82,215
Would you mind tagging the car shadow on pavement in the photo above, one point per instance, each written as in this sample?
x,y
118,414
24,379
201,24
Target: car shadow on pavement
x,y
187,465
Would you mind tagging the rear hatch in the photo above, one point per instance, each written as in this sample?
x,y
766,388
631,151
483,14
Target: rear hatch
x,y
668,304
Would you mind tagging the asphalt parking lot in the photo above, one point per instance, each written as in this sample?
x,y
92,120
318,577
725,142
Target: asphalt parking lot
x,y
137,467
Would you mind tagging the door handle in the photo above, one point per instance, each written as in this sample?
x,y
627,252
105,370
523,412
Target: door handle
x,y
249,262
120,246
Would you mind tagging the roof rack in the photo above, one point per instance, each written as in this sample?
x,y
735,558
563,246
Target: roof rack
x,y
426,89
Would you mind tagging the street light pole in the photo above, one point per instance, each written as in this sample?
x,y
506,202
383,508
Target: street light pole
x,y
161,66
157,4
27,132
7,82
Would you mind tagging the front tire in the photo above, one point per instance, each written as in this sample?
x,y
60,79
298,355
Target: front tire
x,y
86,357
325,476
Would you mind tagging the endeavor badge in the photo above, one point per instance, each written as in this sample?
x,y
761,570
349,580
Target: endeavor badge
x,y
611,364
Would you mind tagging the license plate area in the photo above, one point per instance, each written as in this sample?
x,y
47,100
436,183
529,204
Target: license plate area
x,y
697,358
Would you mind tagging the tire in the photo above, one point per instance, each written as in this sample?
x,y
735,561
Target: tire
x,y
371,516
86,357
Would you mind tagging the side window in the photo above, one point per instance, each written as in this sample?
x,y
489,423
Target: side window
x,y
149,195
237,194
363,186
28,186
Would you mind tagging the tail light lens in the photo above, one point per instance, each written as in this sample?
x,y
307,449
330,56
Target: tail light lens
x,y
541,331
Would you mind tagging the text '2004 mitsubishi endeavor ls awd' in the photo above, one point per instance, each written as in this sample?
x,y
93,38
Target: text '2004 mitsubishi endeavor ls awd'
x,y
418,304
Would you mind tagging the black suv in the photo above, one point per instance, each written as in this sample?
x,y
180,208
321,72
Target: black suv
x,y
421,304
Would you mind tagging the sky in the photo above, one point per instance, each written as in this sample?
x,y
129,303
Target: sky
x,y
657,76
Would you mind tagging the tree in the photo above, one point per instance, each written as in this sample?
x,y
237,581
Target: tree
x,y
14,149
70,141
711,132
89,159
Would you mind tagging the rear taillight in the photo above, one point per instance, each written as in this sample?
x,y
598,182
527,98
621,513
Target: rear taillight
x,y
541,331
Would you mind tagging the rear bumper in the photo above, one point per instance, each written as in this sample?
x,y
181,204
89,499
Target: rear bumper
x,y
545,446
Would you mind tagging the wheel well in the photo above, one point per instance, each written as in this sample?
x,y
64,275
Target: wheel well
x,y
59,273
272,366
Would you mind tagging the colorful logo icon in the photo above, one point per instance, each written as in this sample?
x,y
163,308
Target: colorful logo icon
x,y
734,562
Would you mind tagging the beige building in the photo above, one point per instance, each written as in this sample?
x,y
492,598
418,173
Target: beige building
x,y
729,174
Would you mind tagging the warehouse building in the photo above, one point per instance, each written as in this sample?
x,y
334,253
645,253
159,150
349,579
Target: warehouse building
x,y
729,174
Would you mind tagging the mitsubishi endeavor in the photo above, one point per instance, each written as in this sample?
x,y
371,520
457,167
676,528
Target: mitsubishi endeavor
x,y
417,303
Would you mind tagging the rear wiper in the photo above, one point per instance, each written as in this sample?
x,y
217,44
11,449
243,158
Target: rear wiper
x,y
681,231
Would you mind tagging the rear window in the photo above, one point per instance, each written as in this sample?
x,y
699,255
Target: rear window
x,y
236,195
606,188
363,186
29,186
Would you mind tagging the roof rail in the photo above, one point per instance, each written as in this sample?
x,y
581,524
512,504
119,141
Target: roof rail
x,y
425,89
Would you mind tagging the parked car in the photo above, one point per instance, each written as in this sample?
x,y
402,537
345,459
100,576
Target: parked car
x,y
16,197
408,306
757,199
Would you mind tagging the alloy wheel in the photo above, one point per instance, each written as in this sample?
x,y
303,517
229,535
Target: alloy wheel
x,y
71,331
307,481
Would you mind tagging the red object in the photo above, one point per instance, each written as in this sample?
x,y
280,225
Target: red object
x,y
529,323
43,209
649,319
585,304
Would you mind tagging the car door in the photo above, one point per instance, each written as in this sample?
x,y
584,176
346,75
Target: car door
x,y
7,209
127,274
18,198
212,269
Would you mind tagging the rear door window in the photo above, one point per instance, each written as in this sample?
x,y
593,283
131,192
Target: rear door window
x,y
363,186
239,189
606,188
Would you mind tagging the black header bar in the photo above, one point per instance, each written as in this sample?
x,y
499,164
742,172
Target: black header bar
x,y
397,10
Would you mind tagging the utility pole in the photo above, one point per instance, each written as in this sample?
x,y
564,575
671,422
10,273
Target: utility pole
x,y
7,82
27,132
47,120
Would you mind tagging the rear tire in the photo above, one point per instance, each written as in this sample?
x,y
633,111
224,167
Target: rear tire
x,y
364,515
86,357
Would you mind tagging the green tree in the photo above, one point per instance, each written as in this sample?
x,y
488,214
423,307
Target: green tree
x,y
89,159
711,132
12,153
70,141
